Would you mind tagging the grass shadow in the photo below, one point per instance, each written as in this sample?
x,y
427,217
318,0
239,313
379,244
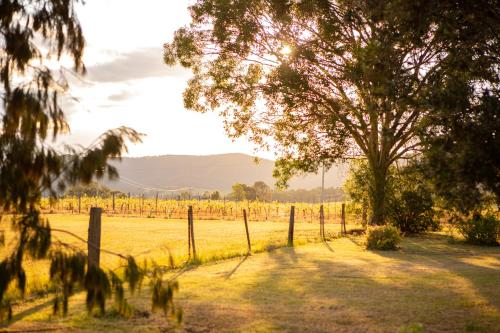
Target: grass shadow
x,y
230,273
325,243
18,316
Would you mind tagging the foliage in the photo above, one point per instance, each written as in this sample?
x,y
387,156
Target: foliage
x,y
242,192
411,204
162,294
93,189
207,195
98,288
480,229
412,211
67,271
336,79
35,34
330,194
262,191
384,237
215,195
357,183
408,202
463,158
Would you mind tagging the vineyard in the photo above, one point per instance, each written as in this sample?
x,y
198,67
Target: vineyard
x,y
202,209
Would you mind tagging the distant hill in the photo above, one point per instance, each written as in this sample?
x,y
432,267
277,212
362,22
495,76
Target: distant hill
x,y
206,173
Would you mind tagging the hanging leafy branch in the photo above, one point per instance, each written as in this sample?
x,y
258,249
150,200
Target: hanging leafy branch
x,y
33,33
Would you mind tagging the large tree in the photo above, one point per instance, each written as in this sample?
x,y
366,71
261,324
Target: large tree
x,y
34,35
328,79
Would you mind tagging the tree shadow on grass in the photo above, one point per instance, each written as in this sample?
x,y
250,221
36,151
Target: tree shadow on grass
x,y
478,265
378,291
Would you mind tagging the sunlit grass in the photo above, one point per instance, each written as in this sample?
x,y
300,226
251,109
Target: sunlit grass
x,y
156,239
339,286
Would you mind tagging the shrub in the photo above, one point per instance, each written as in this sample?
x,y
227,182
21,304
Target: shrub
x,y
481,230
412,211
385,237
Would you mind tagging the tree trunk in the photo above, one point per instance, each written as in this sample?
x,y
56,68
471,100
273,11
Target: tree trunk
x,y
377,194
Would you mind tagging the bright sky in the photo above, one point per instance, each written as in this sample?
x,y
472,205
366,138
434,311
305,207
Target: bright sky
x,y
128,84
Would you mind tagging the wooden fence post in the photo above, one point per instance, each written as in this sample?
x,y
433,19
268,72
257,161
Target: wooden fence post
x,y
321,222
343,230
190,213
189,231
246,229
94,237
291,225
113,196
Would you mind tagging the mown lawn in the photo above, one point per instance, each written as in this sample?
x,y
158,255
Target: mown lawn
x,y
338,286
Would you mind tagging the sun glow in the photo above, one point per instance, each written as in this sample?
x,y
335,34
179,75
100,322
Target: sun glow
x,y
286,50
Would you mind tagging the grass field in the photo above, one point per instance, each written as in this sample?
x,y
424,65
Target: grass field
x,y
327,287
338,286
155,239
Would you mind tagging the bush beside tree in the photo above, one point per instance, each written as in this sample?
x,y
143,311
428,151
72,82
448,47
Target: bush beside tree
x,y
480,229
385,237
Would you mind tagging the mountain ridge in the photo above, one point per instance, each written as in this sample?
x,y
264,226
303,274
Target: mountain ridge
x,y
174,173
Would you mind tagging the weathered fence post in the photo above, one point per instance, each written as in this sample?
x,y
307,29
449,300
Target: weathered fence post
x,y
291,226
321,222
246,229
189,232
343,230
191,229
113,196
94,237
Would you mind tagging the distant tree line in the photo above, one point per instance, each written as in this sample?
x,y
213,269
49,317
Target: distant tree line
x,y
93,189
262,192
258,191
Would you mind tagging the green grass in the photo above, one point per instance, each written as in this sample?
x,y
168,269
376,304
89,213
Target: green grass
x,y
429,285
156,239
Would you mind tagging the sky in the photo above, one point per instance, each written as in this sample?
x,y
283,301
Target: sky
x,y
127,83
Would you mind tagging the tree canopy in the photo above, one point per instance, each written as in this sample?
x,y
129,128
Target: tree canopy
x,y
462,155
332,79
